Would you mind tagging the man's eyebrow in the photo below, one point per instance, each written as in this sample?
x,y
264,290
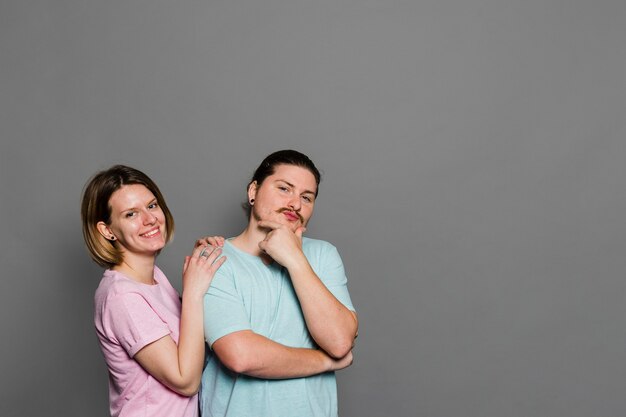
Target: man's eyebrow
x,y
293,186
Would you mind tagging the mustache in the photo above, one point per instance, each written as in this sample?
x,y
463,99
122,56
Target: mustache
x,y
284,209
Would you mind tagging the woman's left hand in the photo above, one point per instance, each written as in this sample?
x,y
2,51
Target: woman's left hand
x,y
199,269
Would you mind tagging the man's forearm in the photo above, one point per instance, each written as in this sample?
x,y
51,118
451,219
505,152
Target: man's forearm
x,y
251,354
331,324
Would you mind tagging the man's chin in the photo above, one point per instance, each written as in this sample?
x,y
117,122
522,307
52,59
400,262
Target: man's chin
x,y
291,225
294,227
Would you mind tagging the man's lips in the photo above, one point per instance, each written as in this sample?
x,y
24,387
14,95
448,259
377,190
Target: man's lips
x,y
291,215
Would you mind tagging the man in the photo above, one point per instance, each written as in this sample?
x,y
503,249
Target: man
x,y
278,316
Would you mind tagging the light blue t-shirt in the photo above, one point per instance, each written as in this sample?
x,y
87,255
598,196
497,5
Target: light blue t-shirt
x,y
246,294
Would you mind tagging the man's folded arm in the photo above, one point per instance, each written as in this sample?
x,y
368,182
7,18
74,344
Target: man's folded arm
x,y
249,353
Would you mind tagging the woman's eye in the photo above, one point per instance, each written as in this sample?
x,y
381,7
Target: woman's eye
x,y
153,206
130,214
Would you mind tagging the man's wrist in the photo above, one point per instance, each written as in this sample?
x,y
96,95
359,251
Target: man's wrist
x,y
327,361
298,265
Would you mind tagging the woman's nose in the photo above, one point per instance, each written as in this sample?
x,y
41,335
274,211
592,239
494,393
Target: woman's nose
x,y
149,218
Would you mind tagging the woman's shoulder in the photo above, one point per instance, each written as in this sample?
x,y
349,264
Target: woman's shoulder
x,y
114,283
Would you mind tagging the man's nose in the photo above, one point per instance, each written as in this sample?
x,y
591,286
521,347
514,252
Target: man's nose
x,y
294,203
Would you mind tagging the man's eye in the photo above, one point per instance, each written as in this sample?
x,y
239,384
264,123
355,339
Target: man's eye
x,y
130,214
307,199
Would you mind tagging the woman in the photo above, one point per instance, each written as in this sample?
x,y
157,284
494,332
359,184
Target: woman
x,y
152,342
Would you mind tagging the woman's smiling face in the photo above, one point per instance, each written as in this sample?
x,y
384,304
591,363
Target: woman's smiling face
x,y
137,221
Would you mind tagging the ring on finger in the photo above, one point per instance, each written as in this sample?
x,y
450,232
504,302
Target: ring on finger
x,y
204,252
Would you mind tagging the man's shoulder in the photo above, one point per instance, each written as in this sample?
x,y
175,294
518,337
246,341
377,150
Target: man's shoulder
x,y
318,249
316,243
309,241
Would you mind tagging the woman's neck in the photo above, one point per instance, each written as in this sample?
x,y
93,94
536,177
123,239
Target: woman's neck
x,y
138,269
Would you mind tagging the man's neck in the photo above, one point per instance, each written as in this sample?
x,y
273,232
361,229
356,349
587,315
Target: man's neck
x,y
248,241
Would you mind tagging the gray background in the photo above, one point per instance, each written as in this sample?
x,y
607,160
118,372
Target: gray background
x,y
473,153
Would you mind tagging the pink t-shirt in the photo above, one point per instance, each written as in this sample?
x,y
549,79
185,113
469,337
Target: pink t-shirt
x,y
128,316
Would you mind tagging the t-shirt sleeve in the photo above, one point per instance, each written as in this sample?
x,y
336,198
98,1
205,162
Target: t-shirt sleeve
x,y
224,311
131,320
333,274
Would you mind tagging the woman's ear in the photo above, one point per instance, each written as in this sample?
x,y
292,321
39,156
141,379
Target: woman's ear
x,y
105,231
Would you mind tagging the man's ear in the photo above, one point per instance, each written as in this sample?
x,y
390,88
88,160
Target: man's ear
x,y
252,188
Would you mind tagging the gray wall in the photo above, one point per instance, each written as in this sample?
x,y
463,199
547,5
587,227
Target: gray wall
x,y
473,153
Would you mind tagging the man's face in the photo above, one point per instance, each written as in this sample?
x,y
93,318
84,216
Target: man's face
x,y
287,196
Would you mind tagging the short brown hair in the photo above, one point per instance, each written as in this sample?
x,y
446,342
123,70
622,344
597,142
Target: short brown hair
x,y
95,208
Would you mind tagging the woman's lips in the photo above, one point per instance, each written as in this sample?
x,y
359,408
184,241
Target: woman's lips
x,y
152,233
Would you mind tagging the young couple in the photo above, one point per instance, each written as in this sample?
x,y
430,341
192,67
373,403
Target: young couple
x,y
272,305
